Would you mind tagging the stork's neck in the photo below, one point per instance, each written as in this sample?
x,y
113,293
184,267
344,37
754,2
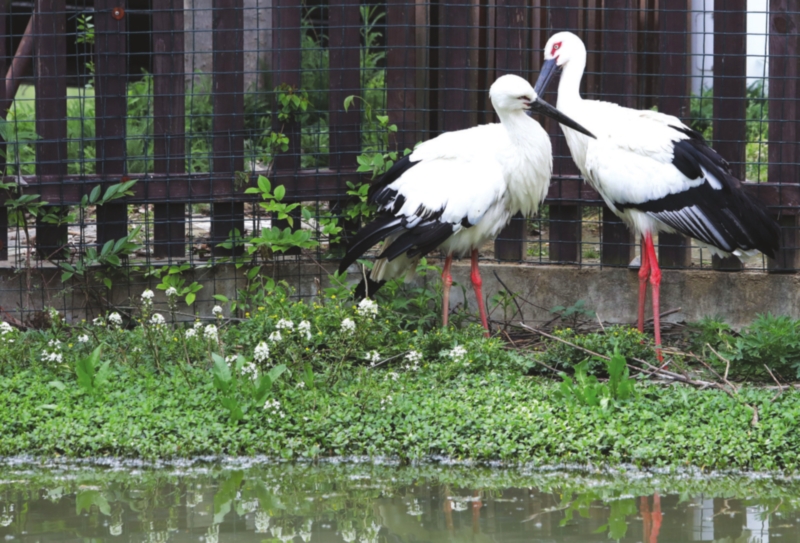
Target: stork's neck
x,y
518,125
569,87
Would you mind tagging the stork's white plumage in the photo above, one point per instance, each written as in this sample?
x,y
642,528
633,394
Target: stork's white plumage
x,y
458,190
655,173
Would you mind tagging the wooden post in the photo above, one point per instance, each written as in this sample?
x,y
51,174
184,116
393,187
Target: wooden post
x,y
169,153
730,95
511,58
228,123
286,66
674,250
51,115
784,114
565,219
457,104
3,63
618,81
344,47
401,76
111,101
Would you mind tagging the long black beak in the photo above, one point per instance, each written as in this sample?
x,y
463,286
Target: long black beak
x,y
540,106
549,69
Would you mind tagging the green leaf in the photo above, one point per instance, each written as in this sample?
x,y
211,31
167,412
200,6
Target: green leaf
x,y
280,192
222,373
86,498
190,298
264,185
94,194
221,298
263,386
349,102
57,385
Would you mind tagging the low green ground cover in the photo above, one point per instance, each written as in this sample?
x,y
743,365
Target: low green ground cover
x,y
331,377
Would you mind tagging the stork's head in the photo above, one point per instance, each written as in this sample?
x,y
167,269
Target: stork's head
x,y
562,50
512,94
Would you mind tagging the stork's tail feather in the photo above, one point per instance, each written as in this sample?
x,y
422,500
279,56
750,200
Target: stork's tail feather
x,y
419,240
369,287
752,226
368,236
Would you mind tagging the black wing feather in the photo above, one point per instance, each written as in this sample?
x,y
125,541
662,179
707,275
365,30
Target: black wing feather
x,y
419,240
727,218
379,229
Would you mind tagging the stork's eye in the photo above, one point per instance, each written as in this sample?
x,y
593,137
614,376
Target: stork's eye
x,y
556,47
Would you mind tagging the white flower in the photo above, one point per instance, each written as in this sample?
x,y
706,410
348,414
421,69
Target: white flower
x,y
457,353
217,310
301,384
262,522
115,319
98,321
305,328
275,336
285,324
83,339
349,535
53,312
261,353
230,358
348,325
210,332
275,407
54,344
5,328
415,357
392,375
367,308
171,291
157,319
250,370
54,356
147,296
373,357
190,333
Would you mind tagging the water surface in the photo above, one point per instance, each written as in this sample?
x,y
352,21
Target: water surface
x,y
263,502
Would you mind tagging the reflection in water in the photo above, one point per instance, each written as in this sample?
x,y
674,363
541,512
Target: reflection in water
x,y
365,503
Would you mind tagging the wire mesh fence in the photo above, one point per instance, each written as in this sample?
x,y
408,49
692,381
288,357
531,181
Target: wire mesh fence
x,y
135,133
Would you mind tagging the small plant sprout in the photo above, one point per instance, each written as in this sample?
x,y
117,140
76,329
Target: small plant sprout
x,y
367,308
261,353
348,326
275,336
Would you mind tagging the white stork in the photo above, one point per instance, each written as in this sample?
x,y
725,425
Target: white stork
x,y
458,190
655,173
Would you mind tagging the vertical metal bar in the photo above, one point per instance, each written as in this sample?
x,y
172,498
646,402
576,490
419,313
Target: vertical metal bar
x,y
618,83
111,109
3,62
401,64
228,122
457,110
565,220
674,250
511,58
169,228
784,21
730,95
51,114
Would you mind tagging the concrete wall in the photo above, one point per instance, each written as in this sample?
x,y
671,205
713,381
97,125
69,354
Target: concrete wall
x,y
198,24
611,292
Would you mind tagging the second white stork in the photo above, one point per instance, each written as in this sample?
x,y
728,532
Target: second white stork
x,y
458,190
655,173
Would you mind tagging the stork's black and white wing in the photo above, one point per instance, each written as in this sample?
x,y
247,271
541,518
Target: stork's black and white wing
x,y
656,165
447,184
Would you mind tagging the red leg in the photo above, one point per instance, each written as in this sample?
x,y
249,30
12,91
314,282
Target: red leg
x,y
477,284
644,272
655,284
447,279
656,517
